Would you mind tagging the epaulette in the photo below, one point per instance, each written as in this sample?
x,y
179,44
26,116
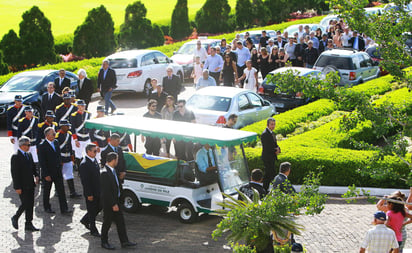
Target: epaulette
x,y
10,107
57,134
40,125
74,104
21,120
69,132
74,114
60,105
55,123
35,117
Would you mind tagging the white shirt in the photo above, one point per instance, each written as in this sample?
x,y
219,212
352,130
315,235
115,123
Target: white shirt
x,y
92,159
380,239
345,39
251,79
201,53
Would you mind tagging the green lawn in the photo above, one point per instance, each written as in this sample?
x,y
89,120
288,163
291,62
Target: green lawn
x,y
65,16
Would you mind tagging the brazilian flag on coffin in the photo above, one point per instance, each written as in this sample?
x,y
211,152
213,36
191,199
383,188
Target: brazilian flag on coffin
x,y
151,165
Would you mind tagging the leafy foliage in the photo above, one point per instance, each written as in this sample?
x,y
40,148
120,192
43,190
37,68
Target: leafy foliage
x,y
36,38
3,66
12,49
63,44
95,37
180,26
250,13
213,17
137,31
252,220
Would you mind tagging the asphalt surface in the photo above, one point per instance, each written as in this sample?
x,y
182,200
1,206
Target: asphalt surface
x,y
339,228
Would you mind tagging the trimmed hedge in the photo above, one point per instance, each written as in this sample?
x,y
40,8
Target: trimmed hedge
x,y
287,122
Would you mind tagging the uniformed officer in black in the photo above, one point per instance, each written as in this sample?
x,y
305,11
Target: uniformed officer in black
x,y
90,175
28,126
65,109
49,122
64,138
125,142
81,134
25,179
98,136
14,113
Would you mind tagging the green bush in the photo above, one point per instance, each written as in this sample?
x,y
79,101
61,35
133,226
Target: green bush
x,y
287,122
63,44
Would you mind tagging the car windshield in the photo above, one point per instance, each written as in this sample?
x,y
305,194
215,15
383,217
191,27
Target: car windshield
x,y
122,63
208,102
190,48
338,62
233,171
22,83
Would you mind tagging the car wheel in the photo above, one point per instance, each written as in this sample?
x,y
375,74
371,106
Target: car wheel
x,y
146,88
130,202
37,112
186,213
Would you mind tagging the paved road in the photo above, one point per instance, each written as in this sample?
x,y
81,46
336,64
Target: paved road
x,y
339,228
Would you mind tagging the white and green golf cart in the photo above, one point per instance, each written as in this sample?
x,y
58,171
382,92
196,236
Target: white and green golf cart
x,y
171,182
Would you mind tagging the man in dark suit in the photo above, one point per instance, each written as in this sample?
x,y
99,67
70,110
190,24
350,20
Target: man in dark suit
x,y
106,83
61,82
113,146
85,87
25,179
280,42
270,150
110,186
172,83
50,100
51,171
256,183
90,176
357,42
281,180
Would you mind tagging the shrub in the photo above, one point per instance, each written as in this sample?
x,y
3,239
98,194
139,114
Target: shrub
x,y
287,122
63,44
180,26
213,17
95,37
12,49
3,66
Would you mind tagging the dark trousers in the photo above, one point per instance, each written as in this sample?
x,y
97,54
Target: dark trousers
x,y
152,146
184,150
58,184
109,216
240,73
216,76
270,173
93,209
27,203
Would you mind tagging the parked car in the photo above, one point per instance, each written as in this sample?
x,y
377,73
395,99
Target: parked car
x,y
184,56
373,11
354,67
213,105
295,28
325,21
31,85
255,35
135,68
286,101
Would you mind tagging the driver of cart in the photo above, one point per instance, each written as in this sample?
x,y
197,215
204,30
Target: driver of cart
x,y
206,164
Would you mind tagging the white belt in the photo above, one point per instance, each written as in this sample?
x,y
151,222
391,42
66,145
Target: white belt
x,y
65,154
33,140
14,127
83,135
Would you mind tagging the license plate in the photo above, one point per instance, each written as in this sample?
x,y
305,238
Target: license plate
x,y
119,77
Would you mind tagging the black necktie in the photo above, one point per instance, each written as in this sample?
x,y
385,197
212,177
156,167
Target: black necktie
x,y
209,159
26,155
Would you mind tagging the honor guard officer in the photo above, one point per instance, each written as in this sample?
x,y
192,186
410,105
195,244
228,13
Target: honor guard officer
x,y
64,110
73,99
49,122
98,136
64,137
14,113
125,142
81,135
28,127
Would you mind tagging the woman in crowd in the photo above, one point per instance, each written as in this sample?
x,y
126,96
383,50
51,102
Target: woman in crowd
x,y
318,34
167,113
229,73
329,45
290,51
223,45
331,32
273,58
249,44
337,39
282,58
254,58
250,77
264,64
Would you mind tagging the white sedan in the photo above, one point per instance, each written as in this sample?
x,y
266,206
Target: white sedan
x,y
135,68
213,105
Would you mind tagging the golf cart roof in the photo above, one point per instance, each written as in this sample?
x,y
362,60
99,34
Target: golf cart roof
x,y
180,131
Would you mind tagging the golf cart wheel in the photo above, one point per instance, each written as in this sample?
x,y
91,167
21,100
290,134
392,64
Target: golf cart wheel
x,y
130,202
186,213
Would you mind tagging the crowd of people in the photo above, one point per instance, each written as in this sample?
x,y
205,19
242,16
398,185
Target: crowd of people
x,y
238,63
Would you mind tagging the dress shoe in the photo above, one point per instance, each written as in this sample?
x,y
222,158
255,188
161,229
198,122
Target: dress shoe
x,y
30,227
95,233
85,223
49,210
128,244
107,245
67,212
15,222
75,195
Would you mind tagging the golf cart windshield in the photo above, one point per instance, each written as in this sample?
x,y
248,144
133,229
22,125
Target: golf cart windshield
x,y
233,170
